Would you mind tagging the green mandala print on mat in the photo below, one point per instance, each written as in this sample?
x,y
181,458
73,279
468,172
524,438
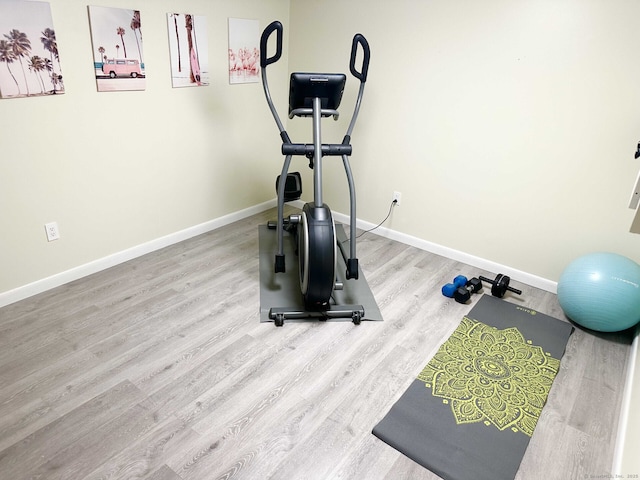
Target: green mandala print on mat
x,y
490,375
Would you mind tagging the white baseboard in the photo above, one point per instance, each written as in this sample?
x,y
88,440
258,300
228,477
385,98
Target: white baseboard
x,y
481,263
109,261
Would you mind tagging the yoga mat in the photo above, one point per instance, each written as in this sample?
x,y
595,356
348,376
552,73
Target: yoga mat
x,y
472,410
283,289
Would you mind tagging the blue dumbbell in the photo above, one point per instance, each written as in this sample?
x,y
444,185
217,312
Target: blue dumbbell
x,y
449,290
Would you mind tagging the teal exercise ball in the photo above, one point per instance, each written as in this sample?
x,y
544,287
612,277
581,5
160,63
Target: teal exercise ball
x,y
601,291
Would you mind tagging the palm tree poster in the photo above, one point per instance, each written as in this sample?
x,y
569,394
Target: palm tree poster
x,y
189,50
116,36
29,62
244,50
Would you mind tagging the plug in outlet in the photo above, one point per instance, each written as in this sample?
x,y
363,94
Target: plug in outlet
x,y
52,231
397,196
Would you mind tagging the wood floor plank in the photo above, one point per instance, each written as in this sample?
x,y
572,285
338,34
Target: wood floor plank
x,y
45,444
81,457
230,426
163,473
351,419
160,368
266,388
40,398
145,456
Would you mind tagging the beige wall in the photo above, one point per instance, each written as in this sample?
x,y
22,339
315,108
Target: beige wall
x,y
118,169
509,127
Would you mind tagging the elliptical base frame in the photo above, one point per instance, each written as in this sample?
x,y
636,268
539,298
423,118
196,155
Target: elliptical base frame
x,y
280,314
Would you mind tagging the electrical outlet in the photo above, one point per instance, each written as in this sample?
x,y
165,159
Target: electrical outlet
x,y
52,231
397,196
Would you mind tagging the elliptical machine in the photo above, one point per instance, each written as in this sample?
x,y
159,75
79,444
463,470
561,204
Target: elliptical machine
x,y
315,95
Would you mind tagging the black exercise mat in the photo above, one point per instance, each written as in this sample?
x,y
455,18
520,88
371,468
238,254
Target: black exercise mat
x,y
472,410
283,289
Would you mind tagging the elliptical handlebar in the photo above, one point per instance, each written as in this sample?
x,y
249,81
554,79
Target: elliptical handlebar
x,y
274,26
264,60
358,39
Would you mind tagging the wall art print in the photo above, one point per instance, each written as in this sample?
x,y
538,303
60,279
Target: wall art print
x,y
29,60
189,49
116,36
244,50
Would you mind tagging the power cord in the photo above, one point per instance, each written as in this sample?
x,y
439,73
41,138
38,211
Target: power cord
x,y
393,204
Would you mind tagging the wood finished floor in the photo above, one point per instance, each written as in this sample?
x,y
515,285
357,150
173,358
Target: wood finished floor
x,y
159,368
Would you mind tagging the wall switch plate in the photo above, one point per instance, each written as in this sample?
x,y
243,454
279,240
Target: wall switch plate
x,y
635,194
635,225
52,231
